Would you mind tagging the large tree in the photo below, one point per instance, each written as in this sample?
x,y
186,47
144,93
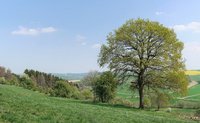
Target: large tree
x,y
146,52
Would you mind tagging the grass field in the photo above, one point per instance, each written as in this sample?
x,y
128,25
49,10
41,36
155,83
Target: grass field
x,y
124,92
193,93
195,78
19,105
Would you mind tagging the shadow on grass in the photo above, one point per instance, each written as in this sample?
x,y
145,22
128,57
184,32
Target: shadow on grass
x,y
108,105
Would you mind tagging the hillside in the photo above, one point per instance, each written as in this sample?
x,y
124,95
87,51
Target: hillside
x,y
21,106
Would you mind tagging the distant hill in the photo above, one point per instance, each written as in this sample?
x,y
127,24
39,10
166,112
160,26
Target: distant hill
x,y
70,76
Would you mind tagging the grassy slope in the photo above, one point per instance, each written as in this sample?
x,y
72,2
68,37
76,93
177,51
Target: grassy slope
x,y
194,93
21,106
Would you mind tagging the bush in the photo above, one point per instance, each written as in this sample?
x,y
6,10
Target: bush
x,y
159,99
87,94
104,87
14,81
27,83
2,80
64,89
147,102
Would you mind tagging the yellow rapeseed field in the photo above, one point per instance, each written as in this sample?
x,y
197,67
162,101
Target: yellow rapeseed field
x,y
192,72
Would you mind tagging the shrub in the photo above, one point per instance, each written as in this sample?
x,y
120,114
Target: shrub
x,y
87,94
105,86
14,81
147,102
159,99
2,80
64,89
26,82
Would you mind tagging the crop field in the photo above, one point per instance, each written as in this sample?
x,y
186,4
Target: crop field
x,y
21,106
192,72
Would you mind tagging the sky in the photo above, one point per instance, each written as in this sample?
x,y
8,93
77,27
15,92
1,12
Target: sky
x,y
64,36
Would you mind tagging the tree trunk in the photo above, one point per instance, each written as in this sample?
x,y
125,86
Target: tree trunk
x,y
141,95
141,89
158,107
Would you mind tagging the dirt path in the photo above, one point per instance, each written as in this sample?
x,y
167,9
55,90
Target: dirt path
x,y
190,96
191,84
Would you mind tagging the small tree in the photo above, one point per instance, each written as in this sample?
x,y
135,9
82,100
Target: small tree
x,y
159,99
105,86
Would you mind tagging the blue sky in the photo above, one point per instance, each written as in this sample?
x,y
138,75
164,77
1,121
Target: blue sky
x,y
62,36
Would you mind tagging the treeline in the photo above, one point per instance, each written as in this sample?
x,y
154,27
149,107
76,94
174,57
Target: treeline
x,y
42,79
102,86
44,83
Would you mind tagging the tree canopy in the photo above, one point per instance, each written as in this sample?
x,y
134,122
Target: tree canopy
x,y
148,53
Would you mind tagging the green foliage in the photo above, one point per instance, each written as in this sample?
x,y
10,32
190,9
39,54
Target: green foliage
x,y
64,89
14,80
105,87
159,99
27,83
147,51
2,80
147,102
7,77
87,94
42,79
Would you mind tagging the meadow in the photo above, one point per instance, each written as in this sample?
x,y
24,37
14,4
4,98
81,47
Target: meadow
x,y
21,106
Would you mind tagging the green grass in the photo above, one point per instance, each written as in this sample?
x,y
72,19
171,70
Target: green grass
x,y
194,93
195,78
19,105
124,92
194,90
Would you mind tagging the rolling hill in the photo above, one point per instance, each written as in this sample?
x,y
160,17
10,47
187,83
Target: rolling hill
x,y
21,106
